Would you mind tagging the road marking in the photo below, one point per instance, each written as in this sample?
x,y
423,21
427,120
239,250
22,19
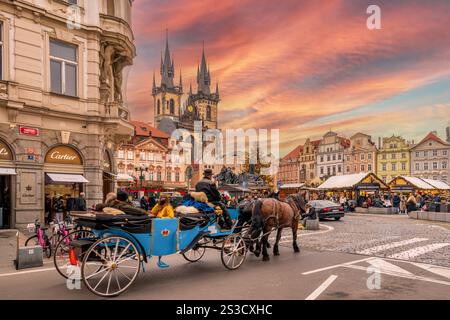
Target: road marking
x,y
418,251
383,265
25,272
444,272
329,228
401,275
388,246
321,288
335,266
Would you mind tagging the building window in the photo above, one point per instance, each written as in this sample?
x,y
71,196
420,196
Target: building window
x,y
321,170
394,156
348,168
383,156
417,154
383,167
394,166
435,153
142,156
444,152
328,158
177,177
208,113
384,178
369,156
339,169
403,155
130,155
172,106
158,104
425,153
63,68
334,157
435,165
321,159
120,154
425,166
369,167
158,176
363,168
444,164
169,176
403,166
417,166
362,156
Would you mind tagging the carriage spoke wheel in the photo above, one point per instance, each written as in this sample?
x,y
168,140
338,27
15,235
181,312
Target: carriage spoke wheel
x,y
110,266
234,252
197,252
61,257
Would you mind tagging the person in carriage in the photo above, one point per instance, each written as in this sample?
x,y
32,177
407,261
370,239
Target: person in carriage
x,y
207,186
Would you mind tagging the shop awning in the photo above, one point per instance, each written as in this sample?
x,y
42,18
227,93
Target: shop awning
x,y
66,178
124,177
7,172
415,182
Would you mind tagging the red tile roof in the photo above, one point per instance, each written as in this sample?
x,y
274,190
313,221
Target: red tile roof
x,y
345,142
146,130
294,154
316,143
434,137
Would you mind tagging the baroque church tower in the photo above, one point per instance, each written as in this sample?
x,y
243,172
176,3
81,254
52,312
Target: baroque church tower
x,y
167,96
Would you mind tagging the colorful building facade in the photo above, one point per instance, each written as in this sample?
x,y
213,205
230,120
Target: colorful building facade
x,y
393,158
361,156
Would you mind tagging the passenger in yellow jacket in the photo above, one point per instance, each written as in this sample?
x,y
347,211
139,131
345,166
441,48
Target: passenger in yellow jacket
x,y
163,209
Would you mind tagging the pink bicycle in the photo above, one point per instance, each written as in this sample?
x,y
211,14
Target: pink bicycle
x,y
40,239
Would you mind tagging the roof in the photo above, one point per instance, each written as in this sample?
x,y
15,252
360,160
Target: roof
x,y
292,185
348,181
440,185
344,142
316,143
417,182
146,130
434,137
294,153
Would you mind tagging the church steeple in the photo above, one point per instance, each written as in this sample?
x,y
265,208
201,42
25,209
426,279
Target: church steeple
x,y
154,84
180,85
217,89
203,76
167,66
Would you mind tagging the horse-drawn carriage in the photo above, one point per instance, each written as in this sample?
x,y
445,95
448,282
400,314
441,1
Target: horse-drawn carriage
x,y
115,249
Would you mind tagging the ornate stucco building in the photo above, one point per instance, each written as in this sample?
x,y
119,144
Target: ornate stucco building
x,y
361,155
62,112
430,158
289,167
393,158
308,160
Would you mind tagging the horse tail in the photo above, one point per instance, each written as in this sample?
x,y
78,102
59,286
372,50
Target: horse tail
x,y
257,218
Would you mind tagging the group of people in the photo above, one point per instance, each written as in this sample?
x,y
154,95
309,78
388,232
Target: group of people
x,y
404,203
59,206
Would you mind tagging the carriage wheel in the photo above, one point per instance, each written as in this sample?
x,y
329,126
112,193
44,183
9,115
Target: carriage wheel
x,y
110,266
61,257
234,251
196,253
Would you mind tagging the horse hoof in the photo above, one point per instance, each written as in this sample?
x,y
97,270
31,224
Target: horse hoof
x,y
266,258
296,250
268,245
256,253
276,253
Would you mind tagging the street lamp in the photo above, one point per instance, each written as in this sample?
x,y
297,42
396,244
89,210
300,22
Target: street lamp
x,y
141,171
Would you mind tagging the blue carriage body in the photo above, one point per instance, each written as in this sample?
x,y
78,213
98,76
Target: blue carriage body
x,y
166,238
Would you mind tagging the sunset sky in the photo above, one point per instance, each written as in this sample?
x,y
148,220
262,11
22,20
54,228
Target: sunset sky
x,y
304,67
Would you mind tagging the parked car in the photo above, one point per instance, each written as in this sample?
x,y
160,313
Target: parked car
x,y
327,209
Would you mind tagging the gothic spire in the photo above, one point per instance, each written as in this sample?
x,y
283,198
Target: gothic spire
x,y
154,83
217,89
203,75
181,82
167,66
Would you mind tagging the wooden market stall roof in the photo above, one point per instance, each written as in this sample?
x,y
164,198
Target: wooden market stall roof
x,y
414,182
438,185
351,181
292,186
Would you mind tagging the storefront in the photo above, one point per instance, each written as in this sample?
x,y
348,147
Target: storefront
x,y
64,175
7,173
109,178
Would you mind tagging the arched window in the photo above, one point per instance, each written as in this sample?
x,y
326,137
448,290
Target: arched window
x,y
159,106
110,7
172,106
208,113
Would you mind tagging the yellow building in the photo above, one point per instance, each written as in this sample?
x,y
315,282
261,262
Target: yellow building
x,y
393,158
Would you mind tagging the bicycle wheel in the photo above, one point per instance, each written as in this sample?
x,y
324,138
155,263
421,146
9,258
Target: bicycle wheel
x,y
61,255
34,241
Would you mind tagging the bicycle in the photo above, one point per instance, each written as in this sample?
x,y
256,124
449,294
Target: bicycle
x,y
40,239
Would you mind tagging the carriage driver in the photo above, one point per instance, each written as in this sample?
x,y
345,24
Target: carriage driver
x,y
208,186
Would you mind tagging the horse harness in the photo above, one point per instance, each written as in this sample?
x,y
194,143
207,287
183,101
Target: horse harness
x,y
294,208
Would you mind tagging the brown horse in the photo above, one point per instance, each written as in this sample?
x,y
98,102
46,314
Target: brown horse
x,y
269,215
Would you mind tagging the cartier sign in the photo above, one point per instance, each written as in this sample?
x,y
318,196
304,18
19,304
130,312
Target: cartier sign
x,y
5,152
63,155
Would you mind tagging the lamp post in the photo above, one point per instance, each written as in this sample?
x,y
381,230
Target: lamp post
x,y
141,171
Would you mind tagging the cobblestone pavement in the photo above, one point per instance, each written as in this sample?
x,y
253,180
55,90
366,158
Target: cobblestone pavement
x,y
396,237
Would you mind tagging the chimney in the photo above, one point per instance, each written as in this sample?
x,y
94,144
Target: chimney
x,y
379,142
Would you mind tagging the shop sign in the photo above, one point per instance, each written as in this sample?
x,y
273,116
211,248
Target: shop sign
x,y
5,152
63,155
29,131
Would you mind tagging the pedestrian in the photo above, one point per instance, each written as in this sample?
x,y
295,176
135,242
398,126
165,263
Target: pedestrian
x,y
411,203
144,203
58,206
396,202
80,203
70,203
47,208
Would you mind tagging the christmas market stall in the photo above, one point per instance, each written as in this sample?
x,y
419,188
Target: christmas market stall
x,y
406,185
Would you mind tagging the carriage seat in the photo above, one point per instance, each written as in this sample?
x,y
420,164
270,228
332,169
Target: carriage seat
x,y
129,223
190,222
